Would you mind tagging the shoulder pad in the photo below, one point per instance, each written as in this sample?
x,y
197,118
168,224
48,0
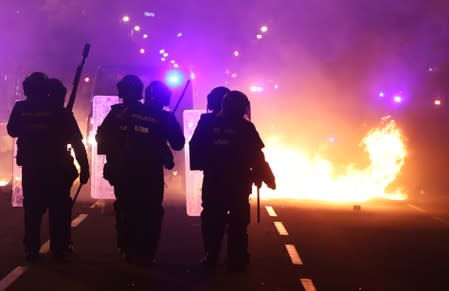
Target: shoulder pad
x,y
167,114
246,121
117,106
207,115
21,103
248,124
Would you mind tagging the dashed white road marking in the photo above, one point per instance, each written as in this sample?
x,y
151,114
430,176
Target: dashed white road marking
x,y
45,248
271,211
307,284
433,217
293,253
12,276
280,228
78,220
441,220
98,203
417,208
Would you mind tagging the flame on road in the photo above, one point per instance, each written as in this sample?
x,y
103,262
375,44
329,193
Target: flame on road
x,y
4,182
300,176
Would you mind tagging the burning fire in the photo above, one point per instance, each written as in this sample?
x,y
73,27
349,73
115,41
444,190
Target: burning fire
x,y
299,176
4,182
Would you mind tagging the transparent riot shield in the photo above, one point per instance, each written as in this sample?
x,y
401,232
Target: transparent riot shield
x,y
100,188
194,179
17,193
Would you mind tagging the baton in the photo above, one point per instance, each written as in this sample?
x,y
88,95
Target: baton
x,y
76,195
76,80
258,205
182,95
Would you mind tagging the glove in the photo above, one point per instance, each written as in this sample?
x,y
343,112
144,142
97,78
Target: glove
x,y
271,184
268,176
169,162
264,174
258,182
84,176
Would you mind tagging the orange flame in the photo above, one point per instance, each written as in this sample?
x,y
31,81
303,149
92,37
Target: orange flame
x,y
4,182
299,176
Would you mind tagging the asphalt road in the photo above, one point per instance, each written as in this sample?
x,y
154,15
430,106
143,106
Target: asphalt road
x,y
386,245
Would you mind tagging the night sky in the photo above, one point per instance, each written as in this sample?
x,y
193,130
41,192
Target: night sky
x,y
315,55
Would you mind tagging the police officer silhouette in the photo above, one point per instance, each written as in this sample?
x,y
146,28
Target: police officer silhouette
x,y
133,136
44,129
230,154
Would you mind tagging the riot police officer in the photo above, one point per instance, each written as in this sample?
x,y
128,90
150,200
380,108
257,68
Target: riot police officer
x,y
44,129
231,159
157,98
133,137
215,99
214,102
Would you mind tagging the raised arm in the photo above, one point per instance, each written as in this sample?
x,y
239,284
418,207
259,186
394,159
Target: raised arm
x,y
175,136
79,149
15,124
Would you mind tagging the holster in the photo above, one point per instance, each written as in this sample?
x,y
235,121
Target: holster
x,y
169,161
70,170
109,173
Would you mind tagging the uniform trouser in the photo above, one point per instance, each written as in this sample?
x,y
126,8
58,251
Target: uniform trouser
x,y
44,191
217,213
139,215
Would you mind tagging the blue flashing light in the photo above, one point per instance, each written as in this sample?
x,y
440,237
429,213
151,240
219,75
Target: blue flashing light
x,y
174,78
397,99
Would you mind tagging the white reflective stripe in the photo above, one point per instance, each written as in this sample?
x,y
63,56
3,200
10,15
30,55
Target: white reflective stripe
x,y
78,220
307,284
280,228
417,208
12,276
293,253
441,220
271,211
45,247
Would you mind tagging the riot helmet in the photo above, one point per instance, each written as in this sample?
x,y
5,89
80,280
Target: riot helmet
x,y
36,85
215,98
157,94
130,88
235,104
57,92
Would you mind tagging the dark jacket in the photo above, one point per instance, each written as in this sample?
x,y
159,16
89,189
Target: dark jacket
x,y
43,135
228,151
134,137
